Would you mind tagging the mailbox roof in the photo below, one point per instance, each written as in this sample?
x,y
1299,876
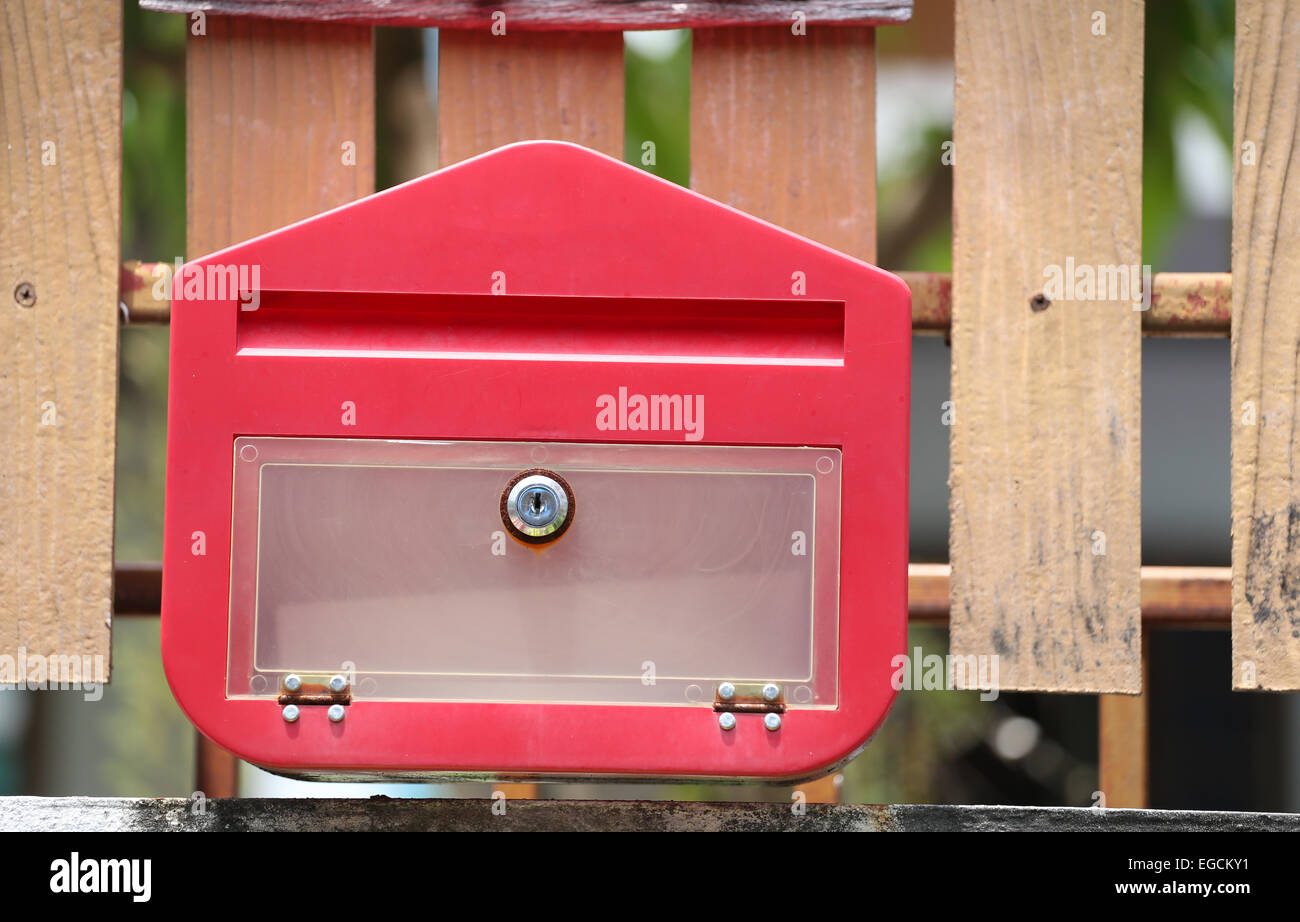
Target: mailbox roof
x,y
551,218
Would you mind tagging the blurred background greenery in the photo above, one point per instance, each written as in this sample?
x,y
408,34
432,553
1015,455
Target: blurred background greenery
x,y
937,746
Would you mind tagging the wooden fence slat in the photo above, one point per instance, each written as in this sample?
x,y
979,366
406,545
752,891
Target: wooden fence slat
x,y
1045,460
1265,341
271,108
524,86
61,106
280,125
783,127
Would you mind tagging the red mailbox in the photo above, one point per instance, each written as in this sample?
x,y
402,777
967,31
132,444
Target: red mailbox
x,y
538,465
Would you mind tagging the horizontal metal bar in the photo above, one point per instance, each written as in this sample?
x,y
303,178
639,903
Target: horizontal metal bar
x,y
1185,597
137,588
83,814
138,289
1182,303
1190,303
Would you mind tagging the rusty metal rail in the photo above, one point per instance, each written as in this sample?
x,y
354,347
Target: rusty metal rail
x,y
1182,303
1184,597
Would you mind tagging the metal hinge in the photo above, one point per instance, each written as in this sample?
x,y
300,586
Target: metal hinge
x,y
732,698
749,698
333,692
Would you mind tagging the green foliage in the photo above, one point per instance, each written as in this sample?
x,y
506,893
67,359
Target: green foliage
x,y
153,229
153,135
1188,67
658,105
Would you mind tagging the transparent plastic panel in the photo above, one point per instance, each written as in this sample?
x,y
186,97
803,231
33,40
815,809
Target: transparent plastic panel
x,y
682,566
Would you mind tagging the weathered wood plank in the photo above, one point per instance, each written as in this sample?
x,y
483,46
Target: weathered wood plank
x,y
279,126
382,814
1265,341
61,106
783,127
608,15
1045,464
498,89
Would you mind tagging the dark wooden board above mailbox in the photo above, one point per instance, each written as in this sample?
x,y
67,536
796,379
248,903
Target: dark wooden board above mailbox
x,y
533,15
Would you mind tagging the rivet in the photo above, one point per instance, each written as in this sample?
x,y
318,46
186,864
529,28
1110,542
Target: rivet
x,y
338,683
292,682
771,691
336,712
726,691
772,722
727,720
290,713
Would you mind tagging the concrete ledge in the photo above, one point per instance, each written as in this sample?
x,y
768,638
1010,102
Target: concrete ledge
x,y
84,814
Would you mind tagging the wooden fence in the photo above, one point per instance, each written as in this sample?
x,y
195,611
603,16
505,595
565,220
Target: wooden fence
x,y
1045,461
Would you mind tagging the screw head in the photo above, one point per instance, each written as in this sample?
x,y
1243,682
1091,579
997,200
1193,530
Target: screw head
x,y
772,722
727,720
338,683
726,691
336,712
771,691
25,294
290,713
292,682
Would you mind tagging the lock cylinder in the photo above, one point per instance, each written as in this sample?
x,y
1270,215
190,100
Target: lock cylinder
x,y
537,506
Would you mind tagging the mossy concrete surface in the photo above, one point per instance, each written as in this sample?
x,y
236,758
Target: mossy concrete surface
x,y
78,814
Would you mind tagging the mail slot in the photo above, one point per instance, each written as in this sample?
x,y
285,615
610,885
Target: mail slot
x,y
536,466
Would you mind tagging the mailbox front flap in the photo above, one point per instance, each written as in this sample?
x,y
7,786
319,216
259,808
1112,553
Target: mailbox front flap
x,y
711,412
